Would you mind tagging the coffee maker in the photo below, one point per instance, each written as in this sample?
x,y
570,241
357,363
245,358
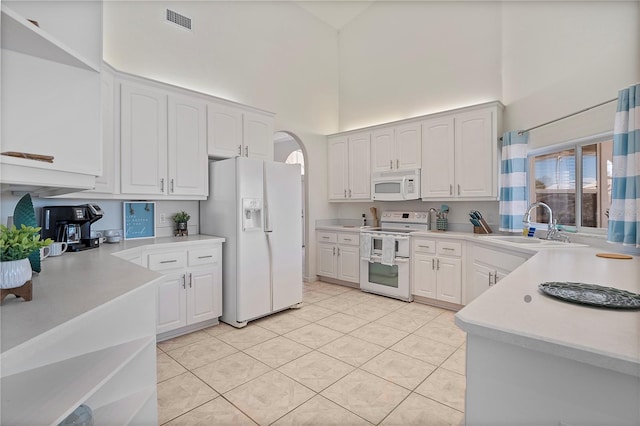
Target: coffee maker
x,y
71,224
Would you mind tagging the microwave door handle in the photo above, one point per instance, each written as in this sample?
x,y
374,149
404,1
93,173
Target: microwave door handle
x,y
404,187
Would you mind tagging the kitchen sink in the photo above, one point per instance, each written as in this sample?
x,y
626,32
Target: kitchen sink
x,y
519,240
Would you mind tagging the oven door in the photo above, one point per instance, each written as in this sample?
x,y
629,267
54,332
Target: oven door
x,y
392,281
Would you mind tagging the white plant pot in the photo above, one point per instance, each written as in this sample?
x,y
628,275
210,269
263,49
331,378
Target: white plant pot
x,y
15,273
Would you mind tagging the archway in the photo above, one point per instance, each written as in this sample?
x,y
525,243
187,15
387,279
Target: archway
x,y
288,148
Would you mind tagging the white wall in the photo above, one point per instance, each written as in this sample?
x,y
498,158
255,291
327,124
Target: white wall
x,y
561,57
405,59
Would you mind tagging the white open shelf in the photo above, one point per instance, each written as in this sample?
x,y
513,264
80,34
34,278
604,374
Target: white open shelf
x,y
22,36
47,395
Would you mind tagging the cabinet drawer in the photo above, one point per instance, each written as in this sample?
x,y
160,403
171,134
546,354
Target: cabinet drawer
x,y
424,246
171,260
203,256
327,237
449,248
497,259
349,239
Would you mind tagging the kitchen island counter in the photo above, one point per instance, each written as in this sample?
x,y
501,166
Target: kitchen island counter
x,y
533,358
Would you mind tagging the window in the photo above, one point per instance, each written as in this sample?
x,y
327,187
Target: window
x,y
575,182
296,157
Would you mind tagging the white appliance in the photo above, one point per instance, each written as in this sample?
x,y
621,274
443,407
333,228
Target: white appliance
x,y
396,186
255,205
385,254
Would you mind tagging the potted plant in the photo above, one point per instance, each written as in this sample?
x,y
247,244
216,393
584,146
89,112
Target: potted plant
x,y
181,220
16,244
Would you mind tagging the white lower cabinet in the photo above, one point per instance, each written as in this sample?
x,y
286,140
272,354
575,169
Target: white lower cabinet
x,y
436,270
487,266
338,256
191,289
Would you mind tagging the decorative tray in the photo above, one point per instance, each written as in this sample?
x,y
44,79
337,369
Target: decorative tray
x,y
591,294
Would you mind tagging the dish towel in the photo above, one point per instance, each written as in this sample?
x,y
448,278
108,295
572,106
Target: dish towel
x,y
388,250
365,247
513,181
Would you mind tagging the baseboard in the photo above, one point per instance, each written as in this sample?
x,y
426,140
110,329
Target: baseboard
x,y
184,330
438,303
339,282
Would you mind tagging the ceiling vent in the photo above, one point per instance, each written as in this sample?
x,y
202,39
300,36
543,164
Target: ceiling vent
x,y
180,20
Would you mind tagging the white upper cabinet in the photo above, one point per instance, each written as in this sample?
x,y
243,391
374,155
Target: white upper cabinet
x,y
459,155
51,91
438,164
359,166
187,157
396,148
106,182
233,132
350,167
224,131
143,112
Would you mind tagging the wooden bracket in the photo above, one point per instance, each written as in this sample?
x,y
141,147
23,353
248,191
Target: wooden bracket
x,y
25,291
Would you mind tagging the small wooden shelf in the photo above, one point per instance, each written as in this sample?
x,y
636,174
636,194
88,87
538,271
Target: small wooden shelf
x,y
48,394
22,36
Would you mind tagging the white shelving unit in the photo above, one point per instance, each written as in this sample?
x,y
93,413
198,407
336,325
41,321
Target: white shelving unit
x,y
67,384
20,35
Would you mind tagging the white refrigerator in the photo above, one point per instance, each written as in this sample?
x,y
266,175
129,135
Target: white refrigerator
x,y
255,205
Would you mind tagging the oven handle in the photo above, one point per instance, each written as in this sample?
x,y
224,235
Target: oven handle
x,y
404,187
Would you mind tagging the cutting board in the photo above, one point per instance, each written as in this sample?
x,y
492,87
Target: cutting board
x,y
614,256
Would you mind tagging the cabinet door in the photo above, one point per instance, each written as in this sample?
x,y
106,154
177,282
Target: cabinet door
x,y
105,183
382,150
437,158
424,275
143,140
349,263
480,282
449,287
187,146
360,166
338,163
171,302
408,147
327,263
204,294
224,131
475,151
258,136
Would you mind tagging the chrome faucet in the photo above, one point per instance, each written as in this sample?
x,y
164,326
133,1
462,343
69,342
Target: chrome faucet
x,y
553,233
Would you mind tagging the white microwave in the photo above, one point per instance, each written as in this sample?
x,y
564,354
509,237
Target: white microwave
x,y
396,186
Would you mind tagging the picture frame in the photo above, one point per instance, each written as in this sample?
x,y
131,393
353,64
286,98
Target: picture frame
x,y
139,219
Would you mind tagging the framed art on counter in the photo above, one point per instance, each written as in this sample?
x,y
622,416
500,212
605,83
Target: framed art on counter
x,y
139,219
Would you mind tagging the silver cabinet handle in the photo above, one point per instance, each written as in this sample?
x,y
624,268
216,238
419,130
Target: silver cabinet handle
x,y
190,279
161,184
391,164
172,184
334,251
169,261
240,150
347,239
438,264
338,251
447,248
184,281
397,164
325,238
458,189
246,151
450,189
205,257
345,193
349,193
492,278
433,263
424,246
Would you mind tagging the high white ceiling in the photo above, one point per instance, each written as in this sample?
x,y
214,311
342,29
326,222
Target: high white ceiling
x,y
335,13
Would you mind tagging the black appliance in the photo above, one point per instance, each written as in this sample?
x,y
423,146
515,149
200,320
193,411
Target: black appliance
x,y
71,224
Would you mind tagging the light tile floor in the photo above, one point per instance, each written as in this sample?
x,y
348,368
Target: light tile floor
x,y
345,358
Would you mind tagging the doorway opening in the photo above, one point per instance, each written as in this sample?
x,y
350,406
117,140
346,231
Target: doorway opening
x,y
288,148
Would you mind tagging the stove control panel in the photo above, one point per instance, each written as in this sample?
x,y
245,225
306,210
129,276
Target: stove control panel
x,y
405,217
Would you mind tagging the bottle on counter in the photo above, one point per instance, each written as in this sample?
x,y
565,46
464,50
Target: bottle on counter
x,y
364,219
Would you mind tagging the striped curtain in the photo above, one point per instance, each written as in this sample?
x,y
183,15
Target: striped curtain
x,y
513,181
624,214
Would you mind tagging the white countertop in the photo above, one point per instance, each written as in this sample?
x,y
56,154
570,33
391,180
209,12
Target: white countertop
x,y
602,337
75,283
